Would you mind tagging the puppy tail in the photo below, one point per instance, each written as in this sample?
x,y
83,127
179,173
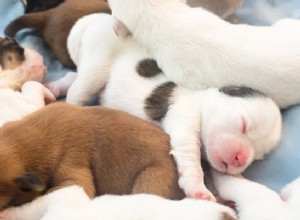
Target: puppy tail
x,y
33,20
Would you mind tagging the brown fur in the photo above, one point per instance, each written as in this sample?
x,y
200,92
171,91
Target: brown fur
x,y
222,8
105,151
55,24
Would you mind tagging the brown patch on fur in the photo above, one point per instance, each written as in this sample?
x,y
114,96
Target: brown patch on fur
x,y
148,68
157,104
227,216
105,151
11,54
55,24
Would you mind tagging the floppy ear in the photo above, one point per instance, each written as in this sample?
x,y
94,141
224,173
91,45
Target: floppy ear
x,y
29,182
120,29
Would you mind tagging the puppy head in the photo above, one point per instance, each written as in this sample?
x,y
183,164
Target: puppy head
x,y
18,65
239,125
17,185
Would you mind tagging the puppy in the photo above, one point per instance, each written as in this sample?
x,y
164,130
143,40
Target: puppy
x,y
102,150
72,203
55,24
255,201
231,128
18,65
197,49
19,94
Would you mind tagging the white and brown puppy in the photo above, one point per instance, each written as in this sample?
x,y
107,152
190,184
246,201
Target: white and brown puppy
x,y
72,203
21,73
104,151
19,65
231,128
256,201
197,49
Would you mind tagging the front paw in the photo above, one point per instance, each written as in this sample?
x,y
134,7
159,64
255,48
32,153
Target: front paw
x,y
194,188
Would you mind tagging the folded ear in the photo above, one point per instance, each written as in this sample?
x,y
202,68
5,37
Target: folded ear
x,y
120,29
29,182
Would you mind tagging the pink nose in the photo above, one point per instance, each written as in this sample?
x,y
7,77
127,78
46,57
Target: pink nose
x,y
236,160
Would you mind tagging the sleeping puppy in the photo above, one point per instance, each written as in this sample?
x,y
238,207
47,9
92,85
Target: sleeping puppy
x,y
72,203
233,126
256,201
18,65
197,49
19,94
55,24
102,150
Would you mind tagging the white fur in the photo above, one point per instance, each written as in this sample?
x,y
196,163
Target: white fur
x,y
17,104
197,49
256,201
192,117
71,203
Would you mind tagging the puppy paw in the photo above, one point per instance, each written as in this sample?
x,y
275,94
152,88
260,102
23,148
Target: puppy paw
x,y
54,88
195,188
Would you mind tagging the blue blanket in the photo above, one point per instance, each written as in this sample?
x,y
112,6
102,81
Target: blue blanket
x,y
277,169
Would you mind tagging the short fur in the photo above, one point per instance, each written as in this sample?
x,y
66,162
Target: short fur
x,y
18,65
55,24
256,201
231,130
19,94
99,149
72,203
40,5
197,49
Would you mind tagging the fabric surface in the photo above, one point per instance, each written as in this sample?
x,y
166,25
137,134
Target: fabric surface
x,y
279,168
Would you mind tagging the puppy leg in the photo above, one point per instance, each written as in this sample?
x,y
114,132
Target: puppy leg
x,y
159,180
252,200
184,131
81,177
37,94
60,87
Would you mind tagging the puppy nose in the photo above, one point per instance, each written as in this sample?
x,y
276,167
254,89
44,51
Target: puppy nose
x,y
238,160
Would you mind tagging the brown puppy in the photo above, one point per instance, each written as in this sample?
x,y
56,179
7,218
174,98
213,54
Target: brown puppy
x,y
19,65
105,151
55,24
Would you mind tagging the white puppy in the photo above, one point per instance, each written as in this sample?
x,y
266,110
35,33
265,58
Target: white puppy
x,y
256,201
230,129
72,203
19,95
197,49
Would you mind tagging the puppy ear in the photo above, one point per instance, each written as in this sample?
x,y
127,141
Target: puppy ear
x,y
29,182
120,29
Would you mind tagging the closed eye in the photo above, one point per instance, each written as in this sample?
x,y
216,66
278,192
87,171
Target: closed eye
x,y
244,126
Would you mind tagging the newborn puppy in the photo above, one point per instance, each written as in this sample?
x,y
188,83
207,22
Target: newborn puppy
x,y
72,203
256,201
102,150
197,49
55,24
232,126
19,95
18,65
